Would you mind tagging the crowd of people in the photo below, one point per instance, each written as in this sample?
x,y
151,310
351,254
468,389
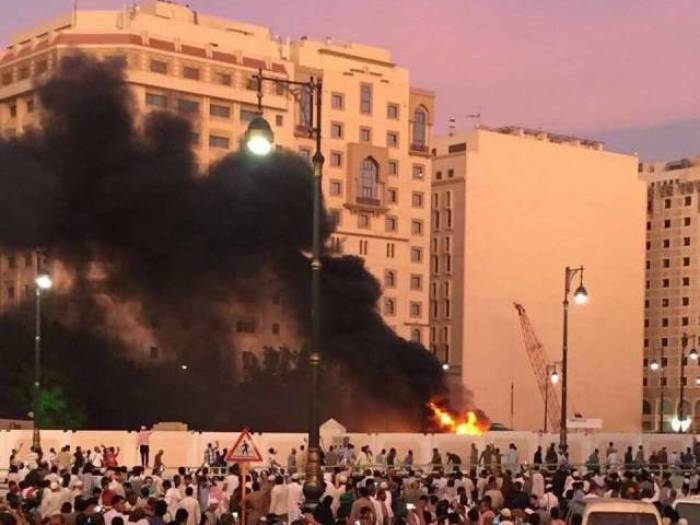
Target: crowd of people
x,y
90,487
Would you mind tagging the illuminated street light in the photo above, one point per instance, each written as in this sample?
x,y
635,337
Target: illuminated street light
x,y
581,295
43,281
554,377
445,367
680,425
259,137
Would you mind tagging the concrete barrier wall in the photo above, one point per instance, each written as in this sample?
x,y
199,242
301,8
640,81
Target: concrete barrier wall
x,y
187,447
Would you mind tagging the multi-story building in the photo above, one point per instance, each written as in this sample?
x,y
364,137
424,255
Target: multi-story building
x,y
377,128
672,307
512,208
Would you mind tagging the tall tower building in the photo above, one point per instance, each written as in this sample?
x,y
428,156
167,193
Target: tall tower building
x,y
671,306
377,128
512,207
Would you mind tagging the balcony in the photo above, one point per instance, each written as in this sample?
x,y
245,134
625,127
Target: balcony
x,y
368,201
421,149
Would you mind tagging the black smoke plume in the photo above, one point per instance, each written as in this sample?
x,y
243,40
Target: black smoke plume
x,y
119,202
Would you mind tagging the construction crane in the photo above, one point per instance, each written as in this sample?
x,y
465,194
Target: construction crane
x,y
540,367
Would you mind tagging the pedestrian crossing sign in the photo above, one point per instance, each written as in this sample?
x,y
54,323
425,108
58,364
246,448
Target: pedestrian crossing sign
x,y
244,450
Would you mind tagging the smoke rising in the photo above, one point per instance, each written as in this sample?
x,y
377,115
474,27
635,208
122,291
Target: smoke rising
x,y
119,203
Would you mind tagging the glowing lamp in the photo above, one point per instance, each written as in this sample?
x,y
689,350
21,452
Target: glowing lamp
x,y
43,281
259,137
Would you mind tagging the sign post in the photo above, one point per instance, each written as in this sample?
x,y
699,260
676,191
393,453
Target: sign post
x,y
244,452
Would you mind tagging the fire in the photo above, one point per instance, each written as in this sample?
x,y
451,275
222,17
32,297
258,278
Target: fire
x,y
471,424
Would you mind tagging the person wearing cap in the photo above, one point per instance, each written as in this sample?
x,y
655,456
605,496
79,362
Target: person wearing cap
x,y
295,497
51,499
506,517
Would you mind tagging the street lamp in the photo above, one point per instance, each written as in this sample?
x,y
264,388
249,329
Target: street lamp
x,y
580,297
445,366
656,366
683,421
259,141
553,378
43,283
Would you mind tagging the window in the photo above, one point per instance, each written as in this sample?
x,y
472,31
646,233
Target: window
x,y
30,105
306,153
686,281
336,187
392,139
11,261
28,260
686,241
686,221
416,227
389,306
667,263
415,309
667,223
369,179
664,302
416,254
365,134
153,352
393,166
219,142
392,195
389,278
417,199
280,89
190,72
448,218
665,283
687,200
684,321
686,261
390,250
279,120
664,322
434,308
336,245
664,341
667,203
363,221
337,101
667,243
648,245
275,328
246,115
13,110
446,306
446,288
686,301
392,111
336,159
24,72
336,130
364,247
223,78
434,244
10,292
187,107
438,175
246,327
216,110
251,83
304,110
154,99
6,79
336,217
158,66
416,282
447,199
390,223
366,98
450,173
418,171
420,120
416,336
448,263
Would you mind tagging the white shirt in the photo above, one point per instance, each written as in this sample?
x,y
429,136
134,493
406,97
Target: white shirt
x,y
279,500
111,514
295,498
172,498
232,483
191,505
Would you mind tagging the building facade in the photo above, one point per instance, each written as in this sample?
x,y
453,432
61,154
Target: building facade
x,y
377,128
671,305
512,208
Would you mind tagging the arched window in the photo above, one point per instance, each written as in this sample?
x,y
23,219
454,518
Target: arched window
x,y
420,123
416,335
646,407
686,407
369,179
389,279
389,307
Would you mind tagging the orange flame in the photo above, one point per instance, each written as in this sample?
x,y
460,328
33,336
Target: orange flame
x,y
470,425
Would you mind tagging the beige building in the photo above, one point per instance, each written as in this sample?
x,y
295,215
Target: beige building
x,y
671,304
511,209
377,128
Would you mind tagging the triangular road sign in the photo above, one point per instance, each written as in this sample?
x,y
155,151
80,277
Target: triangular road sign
x,y
244,449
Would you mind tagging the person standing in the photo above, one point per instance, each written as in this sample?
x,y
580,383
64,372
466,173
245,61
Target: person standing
x,y
191,505
143,439
279,499
292,461
295,498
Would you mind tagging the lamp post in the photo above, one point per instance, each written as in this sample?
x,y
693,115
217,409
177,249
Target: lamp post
x,y
258,140
43,282
682,422
580,297
552,377
658,366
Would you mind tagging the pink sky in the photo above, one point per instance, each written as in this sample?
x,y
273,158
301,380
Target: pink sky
x,y
571,66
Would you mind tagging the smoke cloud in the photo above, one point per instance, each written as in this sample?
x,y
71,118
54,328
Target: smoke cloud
x,y
157,252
